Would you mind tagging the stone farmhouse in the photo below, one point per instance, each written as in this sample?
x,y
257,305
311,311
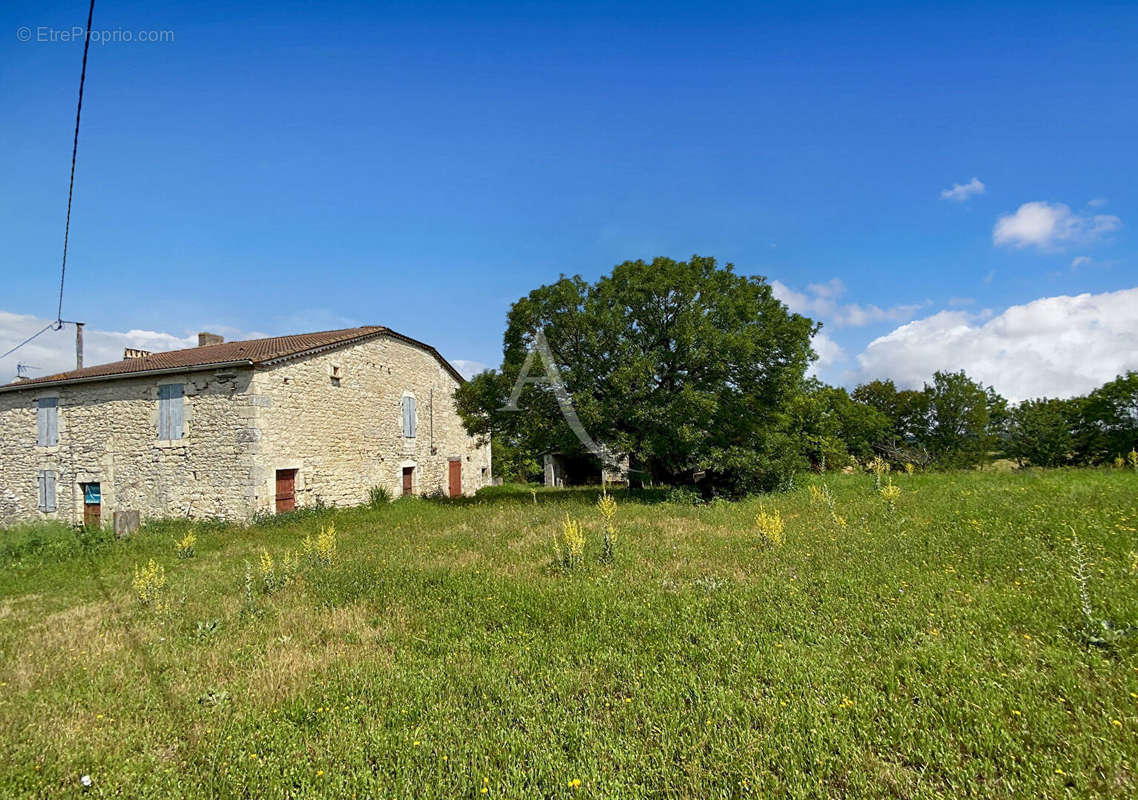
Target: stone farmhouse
x,y
235,429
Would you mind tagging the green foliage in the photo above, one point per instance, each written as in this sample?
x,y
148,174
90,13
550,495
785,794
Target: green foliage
x,y
378,496
682,365
934,651
683,496
1040,432
963,418
1108,420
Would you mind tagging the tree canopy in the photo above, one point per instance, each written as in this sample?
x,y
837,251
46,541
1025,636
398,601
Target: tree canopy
x,y
689,369
684,366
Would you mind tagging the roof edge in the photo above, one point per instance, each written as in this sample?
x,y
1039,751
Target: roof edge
x,y
23,387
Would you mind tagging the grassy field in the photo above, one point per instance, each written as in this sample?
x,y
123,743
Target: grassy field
x,y
932,649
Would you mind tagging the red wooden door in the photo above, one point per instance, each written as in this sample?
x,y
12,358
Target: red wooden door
x,y
286,490
408,482
456,478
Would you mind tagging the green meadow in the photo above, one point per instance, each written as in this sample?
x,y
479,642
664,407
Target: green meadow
x,y
968,638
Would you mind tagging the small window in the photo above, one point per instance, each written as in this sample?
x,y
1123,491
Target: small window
x,y
171,403
48,435
47,490
408,416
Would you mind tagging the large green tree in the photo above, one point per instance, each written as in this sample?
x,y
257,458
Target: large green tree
x,y
1040,432
684,366
1108,422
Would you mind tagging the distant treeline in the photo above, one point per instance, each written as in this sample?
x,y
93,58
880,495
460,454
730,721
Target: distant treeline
x,y
957,422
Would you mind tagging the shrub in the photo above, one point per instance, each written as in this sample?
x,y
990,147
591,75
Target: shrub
x,y
149,585
184,547
770,526
606,505
274,578
890,492
569,543
322,550
682,496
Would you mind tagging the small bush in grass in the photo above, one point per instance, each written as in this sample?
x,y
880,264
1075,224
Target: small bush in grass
x,y
275,577
322,550
771,528
149,585
880,468
682,496
606,505
569,543
184,547
378,496
890,492
1096,631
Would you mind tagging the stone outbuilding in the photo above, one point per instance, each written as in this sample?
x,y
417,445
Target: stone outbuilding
x,y
235,429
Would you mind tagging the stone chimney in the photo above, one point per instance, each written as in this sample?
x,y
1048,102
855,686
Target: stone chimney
x,y
205,339
132,352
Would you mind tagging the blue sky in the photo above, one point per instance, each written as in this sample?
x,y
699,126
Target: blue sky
x,y
301,166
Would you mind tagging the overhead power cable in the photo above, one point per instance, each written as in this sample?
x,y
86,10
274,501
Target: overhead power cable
x,y
44,329
74,153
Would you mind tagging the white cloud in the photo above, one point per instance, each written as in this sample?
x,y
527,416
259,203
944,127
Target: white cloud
x,y
468,369
962,191
1054,346
829,353
820,300
54,351
1047,225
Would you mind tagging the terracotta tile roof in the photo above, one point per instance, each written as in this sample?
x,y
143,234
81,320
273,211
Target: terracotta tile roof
x,y
253,352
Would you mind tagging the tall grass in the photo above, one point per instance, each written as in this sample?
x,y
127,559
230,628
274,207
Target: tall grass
x,y
931,649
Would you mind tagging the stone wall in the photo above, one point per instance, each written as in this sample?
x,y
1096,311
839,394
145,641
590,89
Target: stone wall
x,y
241,426
344,434
108,434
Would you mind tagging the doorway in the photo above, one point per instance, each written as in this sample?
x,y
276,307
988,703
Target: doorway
x,y
286,490
92,505
456,477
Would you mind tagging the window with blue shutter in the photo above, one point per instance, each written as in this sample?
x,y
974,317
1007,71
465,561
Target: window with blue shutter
x,y
47,490
408,417
48,412
171,404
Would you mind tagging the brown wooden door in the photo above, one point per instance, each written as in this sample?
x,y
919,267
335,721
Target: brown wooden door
x,y
92,505
456,478
286,490
408,480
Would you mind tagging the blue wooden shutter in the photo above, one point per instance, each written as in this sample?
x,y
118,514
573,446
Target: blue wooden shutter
x,y
48,434
46,490
170,411
409,417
